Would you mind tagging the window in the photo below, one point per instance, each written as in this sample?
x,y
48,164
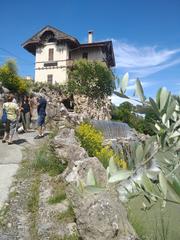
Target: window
x,y
85,55
50,78
51,54
69,55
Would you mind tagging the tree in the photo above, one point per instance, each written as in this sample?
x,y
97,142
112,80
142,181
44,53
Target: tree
x,y
91,78
10,78
130,114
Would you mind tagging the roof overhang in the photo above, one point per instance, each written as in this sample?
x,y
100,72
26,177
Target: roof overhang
x,y
35,41
106,47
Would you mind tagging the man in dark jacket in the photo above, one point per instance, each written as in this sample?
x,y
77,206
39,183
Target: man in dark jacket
x,y
41,109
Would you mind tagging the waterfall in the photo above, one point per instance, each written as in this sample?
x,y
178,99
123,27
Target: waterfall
x,y
114,130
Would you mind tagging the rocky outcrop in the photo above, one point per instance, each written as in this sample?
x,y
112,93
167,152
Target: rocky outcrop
x,y
67,147
99,109
101,216
79,170
47,223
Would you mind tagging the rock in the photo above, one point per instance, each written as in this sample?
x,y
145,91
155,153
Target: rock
x,y
80,169
101,216
67,147
48,224
99,108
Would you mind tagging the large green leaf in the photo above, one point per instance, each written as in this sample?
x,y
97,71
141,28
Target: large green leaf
x,y
119,176
170,109
112,166
148,185
175,134
172,192
139,91
149,144
176,125
120,95
90,181
93,189
158,97
176,184
124,83
163,184
139,153
164,95
154,107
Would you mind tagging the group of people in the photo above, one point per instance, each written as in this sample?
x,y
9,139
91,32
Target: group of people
x,y
30,112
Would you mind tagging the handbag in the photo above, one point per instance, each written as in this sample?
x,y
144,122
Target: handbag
x,y
4,116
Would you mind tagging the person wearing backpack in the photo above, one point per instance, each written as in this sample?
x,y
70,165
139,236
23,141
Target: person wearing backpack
x,y
11,108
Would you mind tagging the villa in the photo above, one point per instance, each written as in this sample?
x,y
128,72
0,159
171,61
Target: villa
x,y
55,51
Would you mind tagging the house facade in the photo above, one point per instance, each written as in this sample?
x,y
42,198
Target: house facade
x,y
55,51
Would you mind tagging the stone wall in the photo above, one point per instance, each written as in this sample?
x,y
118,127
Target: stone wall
x,y
99,109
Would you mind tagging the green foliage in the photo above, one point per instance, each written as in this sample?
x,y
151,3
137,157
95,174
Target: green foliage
x,y
57,198
67,216
106,153
73,236
37,86
33,205
92,140
129,114
159,157
91,78
47,161
10,78
33,199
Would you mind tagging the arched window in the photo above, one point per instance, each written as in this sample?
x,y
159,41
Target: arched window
x,y
48,36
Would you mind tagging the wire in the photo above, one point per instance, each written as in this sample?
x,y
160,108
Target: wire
x,y
14,55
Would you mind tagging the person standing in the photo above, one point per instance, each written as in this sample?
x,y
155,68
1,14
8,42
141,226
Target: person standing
x,y
41,109
25,113
12,111
33,111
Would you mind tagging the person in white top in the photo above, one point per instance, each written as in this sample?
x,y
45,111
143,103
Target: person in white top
x,y
12,111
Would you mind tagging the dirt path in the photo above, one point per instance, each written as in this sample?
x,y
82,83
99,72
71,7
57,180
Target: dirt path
x,y
10,157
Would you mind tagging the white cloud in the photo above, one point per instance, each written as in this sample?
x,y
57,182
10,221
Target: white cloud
x,y
143,61
118,100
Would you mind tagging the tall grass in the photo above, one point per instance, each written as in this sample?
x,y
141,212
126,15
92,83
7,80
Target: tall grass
x,y
47,161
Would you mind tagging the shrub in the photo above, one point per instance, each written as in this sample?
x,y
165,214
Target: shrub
x,y
91,79
92,140
106,153
129,114
10,78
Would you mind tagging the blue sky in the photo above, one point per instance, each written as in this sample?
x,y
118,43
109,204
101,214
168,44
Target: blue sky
x,y
145,34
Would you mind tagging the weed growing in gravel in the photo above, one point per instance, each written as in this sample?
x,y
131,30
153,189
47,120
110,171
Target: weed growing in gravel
x,y
67,216
57,198
3,212
47,161
71,237
33,205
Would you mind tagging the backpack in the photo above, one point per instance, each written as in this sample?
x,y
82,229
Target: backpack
x,y
4,116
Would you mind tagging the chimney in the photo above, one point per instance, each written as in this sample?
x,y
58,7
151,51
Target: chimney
x,y
90,36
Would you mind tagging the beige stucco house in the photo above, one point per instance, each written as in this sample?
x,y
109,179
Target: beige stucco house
x,y
55,51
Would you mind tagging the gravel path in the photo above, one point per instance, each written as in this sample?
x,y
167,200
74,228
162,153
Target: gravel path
x,y
10,157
